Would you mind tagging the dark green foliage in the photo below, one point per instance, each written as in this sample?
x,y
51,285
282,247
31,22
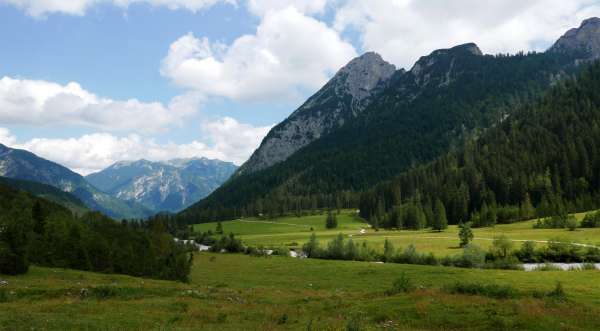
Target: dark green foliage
x,y
402,284
591,220
229,243
311,248
219,229
331,221
558,293
563,221
465,234
38,231
440,222
488,290
544,157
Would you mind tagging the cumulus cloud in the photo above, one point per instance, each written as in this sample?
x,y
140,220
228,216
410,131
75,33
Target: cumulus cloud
x,y
404,30
37,102
289,53
40,8
261,7
227,140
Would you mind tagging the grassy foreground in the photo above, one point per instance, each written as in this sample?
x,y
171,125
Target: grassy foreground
x,y
294,231
237,292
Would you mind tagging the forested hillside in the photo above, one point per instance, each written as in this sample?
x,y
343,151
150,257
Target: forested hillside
x,y
446,97
35,230
544,160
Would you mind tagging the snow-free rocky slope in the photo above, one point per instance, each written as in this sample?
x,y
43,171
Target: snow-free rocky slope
x,y
163,186
24,165
345,96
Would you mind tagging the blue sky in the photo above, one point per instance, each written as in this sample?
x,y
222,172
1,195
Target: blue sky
x,y
90,82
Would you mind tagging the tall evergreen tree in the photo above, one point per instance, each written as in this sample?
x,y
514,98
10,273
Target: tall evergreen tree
x,y
440,222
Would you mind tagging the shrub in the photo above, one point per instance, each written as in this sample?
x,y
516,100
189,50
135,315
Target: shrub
x,y
547,267
488,290
591,220
527,252
558,293
472,257
403,284
3,295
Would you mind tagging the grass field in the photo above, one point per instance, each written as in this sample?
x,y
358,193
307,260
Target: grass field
x,y
237,292
294,231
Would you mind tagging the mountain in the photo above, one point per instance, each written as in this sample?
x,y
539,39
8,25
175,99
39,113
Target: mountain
x,y
163,186
583,40
24,165
47,192
345,96
543,160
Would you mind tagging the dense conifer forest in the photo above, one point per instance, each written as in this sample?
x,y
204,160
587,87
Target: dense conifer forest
x,y
35,230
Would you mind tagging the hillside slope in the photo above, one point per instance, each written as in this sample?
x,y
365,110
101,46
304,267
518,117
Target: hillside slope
x,y
543,160
24,165
47,192
447,96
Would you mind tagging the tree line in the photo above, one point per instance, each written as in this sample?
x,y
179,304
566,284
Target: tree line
x,y
37,231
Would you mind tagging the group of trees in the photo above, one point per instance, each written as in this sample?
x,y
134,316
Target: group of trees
x,y
501,255
542,161
34,230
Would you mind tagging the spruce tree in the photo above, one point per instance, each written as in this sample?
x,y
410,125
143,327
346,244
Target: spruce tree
x,y
440,221
465,233
331,221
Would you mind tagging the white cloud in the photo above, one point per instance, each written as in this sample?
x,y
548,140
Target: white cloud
x,y
228,140
261,7
37,102
403,30
40,8
289,53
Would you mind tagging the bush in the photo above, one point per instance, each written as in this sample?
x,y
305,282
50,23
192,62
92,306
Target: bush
x,y
488,290
403,284
558,293
591,220
3,295
472,257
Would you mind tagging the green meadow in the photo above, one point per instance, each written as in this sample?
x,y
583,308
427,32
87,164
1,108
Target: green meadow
x,y
242,292
294,231
239,292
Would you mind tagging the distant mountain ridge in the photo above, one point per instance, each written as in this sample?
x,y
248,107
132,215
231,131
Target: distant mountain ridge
x,y
24,165
164,185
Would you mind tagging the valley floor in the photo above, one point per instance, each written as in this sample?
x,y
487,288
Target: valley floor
x,y
294,231
238,292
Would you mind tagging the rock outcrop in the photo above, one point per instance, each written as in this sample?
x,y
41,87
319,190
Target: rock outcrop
x,y
347,94
585,39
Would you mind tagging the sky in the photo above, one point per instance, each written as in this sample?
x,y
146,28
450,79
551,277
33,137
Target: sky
x,y
87,83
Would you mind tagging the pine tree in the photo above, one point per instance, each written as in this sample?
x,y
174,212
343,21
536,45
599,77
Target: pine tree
x,y
331,221
465,233
440,222
526,210
311,248
219,229
388,251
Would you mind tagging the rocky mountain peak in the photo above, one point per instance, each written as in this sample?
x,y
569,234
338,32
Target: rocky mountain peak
x,y
361,75
585,39
439,66
347,94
